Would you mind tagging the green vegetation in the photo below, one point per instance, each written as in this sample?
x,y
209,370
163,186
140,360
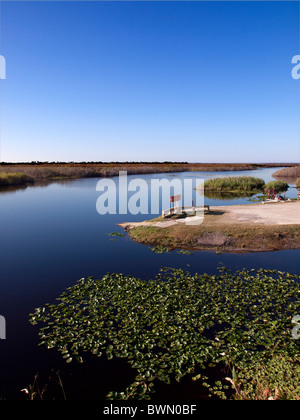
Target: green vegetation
x,y
185,252
278,186
234,184
15,178
239,187
180,325
159,249
275,379
115,235
258,198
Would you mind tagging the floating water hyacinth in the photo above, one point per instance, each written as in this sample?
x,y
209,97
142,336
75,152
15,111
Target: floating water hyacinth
x,y
185,252
179,324
159,249
115,235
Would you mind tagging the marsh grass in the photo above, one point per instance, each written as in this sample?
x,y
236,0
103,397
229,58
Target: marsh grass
x,y
290,172
35,391
15,178
42,171
234,184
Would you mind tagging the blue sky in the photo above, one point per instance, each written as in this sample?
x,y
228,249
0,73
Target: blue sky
x,y
150,81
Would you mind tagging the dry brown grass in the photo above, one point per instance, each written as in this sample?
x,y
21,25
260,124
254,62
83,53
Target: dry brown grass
x,y
79,170
59,171
291,172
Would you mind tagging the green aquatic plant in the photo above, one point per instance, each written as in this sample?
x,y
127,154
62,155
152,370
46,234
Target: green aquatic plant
x,y
185,252
275,379
115,235
258,198
180,324
159,249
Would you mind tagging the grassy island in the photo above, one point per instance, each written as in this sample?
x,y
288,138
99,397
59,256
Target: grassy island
x,y
234,184
240,228
242,185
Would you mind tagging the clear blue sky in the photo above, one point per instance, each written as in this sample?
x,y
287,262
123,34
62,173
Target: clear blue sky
x,y
150,81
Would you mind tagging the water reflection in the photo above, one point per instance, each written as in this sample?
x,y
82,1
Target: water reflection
x,y
216,195
40,183
12,188
288,179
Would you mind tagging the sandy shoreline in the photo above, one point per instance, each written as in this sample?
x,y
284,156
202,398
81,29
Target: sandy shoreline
x,y
281,213
239,228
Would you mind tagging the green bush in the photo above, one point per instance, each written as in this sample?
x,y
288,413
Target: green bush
x,y
278,186
234,184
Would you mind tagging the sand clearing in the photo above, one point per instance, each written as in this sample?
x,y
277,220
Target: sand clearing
x,y
281,213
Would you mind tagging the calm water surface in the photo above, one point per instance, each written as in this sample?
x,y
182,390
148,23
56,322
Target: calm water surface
x,y
50,237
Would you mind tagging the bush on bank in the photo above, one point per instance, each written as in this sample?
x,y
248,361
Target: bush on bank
x,y
277,186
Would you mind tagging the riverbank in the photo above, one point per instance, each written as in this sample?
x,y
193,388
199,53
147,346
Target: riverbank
x,y
45,171
240,228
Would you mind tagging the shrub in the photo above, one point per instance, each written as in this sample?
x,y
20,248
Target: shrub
x,y
278,186
234,184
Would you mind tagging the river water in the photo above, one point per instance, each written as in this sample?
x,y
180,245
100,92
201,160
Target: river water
x,y
51,236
